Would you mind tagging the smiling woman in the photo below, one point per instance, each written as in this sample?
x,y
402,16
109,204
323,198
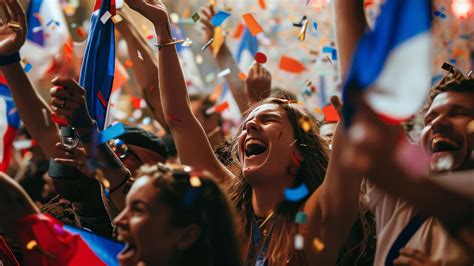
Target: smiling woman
x,y
177,216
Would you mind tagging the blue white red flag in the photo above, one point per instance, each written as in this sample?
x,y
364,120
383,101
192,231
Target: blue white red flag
x,y
9,124
98,65
392,63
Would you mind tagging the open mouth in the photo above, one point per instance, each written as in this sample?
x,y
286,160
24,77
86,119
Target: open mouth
x,y
254,147
441,144
128,253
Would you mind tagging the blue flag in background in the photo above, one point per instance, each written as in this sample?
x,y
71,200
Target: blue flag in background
x,y
392,63
248,42
98,65
35,30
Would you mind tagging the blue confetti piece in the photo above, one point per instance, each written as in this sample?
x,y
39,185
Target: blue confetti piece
x,y
219,18
301,218
27,68
296,194
315,26
440,14
111,133
332,51
435,79
452,61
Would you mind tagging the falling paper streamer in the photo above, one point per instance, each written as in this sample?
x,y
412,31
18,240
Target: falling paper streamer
x,y
296,194
224,73
291,65
252,24
112,132
219,18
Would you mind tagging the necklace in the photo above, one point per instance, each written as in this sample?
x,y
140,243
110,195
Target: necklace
x,y
261,224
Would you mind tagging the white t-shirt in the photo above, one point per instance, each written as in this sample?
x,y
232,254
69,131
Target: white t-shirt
x,y
392,215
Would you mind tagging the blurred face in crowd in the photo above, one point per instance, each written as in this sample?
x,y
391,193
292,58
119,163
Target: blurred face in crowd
x,y
445,136
144,226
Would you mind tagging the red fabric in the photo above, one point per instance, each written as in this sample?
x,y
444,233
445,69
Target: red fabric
x,y
8,139
67,249
6,255
330,114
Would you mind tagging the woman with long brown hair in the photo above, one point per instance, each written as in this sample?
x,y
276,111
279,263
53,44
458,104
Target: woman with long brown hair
x,y
282,168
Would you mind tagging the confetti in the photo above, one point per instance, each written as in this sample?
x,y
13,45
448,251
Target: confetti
x,y
262,4
300,24
330,114
105,17
195,181
242,76
22,144
308,83
296,194
301,218
261,58
218,41
291,65
318,245
207,44
440,14
444,163
305,124
117,19
239,30
302,34
37,29
332,51
128,63
224,73
31,245
252,24
111,133
195,17
299,242
61,121
218,108
219,18
139,54
27,67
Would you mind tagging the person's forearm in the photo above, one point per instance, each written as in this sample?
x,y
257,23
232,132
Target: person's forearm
x,y
145,68
32,109
225,60
350,25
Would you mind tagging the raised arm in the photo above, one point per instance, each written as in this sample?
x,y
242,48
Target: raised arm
x,y
145,65
224,60
350,25
29,104
191,140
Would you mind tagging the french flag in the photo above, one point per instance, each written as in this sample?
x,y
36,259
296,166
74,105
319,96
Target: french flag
x,y
98,65
9,124
392,63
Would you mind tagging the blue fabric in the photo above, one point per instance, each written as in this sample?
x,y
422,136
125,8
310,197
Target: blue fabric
x,y
410,229
248,42
33,22
399,20
98,65
106,249
13,117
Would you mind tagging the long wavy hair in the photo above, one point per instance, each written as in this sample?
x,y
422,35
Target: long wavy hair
x,y
205,205
311,173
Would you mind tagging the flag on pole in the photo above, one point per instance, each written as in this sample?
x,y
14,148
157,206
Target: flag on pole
x,y
392,63
98,65
9,125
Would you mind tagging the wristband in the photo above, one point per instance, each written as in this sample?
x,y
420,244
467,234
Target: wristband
x,y
10,59
173,42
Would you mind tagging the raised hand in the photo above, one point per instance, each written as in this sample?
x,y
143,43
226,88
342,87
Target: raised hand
x,y
259,83
207,14
12,27
68,99
154,10
76,157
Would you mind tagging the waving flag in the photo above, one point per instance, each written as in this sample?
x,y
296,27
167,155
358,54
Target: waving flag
x,y
98,65
9,125
50,243
47,34
392,63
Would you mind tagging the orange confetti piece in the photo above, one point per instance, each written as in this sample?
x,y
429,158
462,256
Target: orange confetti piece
x,y
238,31
242,76
262,4
252,24
128,63
222,107
291,65
330,114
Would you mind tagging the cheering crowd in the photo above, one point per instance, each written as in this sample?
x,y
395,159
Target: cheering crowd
x,y
282,189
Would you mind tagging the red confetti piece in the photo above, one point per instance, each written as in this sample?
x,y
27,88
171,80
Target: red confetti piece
x,y
242,76
291,65
81,32
261,58
222,107
330,114
128,63
101,99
